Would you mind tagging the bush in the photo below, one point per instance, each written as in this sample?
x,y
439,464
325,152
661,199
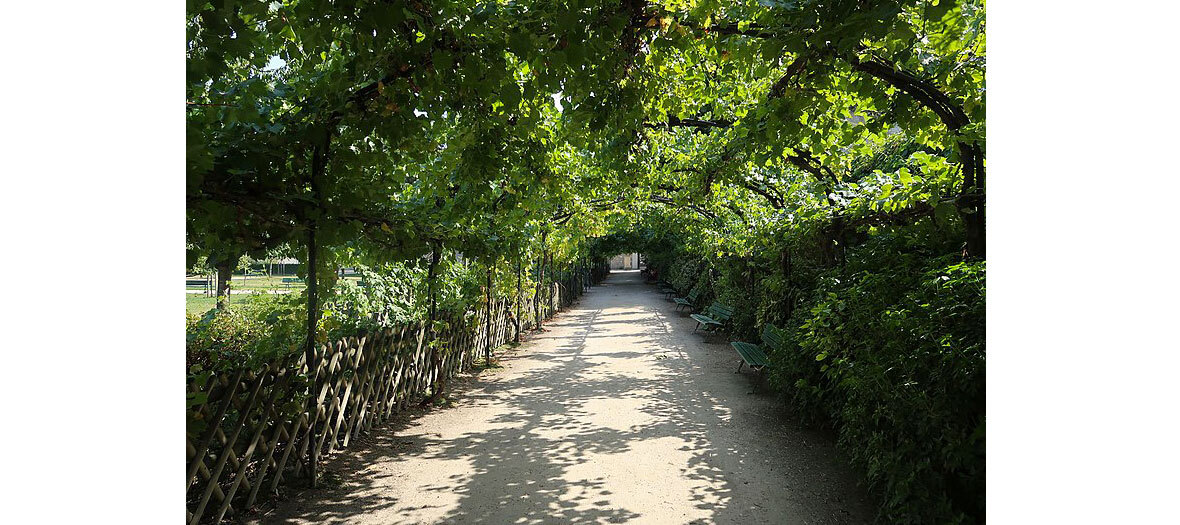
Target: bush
x,y
384,297
259,328
894,360
251,332
887,351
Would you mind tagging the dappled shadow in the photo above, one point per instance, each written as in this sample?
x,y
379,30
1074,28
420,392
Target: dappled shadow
x,y
616,414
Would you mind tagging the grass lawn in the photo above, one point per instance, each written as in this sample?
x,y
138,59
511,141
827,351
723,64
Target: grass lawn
x,y
199,304
262,282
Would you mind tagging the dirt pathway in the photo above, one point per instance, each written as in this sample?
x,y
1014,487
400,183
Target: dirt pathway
x,y
618,413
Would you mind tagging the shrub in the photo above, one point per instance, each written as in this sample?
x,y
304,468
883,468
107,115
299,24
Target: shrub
x,y
894,360
255,330
887,351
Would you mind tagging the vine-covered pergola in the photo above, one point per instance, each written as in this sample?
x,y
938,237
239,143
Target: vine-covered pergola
x,y
529,135
402,126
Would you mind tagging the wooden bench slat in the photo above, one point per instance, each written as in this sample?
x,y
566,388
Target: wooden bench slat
x,y
716,316
755,355
688,300
704,319
771,336
752,354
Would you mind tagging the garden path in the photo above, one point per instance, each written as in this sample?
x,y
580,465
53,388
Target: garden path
x,y
616,413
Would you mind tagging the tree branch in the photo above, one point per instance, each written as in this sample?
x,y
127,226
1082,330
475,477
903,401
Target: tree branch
x,y
700,125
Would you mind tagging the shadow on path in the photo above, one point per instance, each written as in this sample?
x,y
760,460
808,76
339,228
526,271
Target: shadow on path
x,y
616,414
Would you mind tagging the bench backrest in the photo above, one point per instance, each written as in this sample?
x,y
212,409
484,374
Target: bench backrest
x,y
720,312
772,337
693,295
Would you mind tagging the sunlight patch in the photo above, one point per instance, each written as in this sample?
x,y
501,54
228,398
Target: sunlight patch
x,y
661,480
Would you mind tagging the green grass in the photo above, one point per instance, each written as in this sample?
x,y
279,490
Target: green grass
x,y
199,304
262,282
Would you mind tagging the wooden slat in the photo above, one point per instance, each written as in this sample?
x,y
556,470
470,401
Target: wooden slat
x,y
203,471
363,381
369,364
267,462
224,456
240,475
328,402
203,448
321,371
348,368
300,424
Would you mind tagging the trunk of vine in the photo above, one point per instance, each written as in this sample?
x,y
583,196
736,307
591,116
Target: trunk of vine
x,y
841,243
431,315
547,269
971,203
537,299
537,294
752,268
487,349
319,164
541,279
309,350
516,318
785,261
432,312
834,253
224,274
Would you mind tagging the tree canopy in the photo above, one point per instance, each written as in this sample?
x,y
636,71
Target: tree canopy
x,y
393,126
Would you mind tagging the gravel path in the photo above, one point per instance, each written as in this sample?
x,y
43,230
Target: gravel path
x,y
617,413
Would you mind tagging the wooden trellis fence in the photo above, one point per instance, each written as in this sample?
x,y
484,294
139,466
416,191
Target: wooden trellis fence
x,y
250,429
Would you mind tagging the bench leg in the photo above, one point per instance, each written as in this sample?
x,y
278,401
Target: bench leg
x,y
740,363
694,330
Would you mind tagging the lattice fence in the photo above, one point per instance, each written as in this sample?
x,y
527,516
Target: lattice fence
x,y
251,429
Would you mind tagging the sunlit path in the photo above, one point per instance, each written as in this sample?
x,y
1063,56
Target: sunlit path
x,y
618,413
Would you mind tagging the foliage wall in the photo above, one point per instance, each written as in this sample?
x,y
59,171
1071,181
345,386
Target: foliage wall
x,y
885,347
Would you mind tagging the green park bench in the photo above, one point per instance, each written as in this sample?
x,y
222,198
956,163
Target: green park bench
x,y
755,355
288,281
667,289
714,317
689,300
196,282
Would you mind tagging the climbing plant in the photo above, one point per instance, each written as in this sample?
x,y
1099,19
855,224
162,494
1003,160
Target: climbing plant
x,y
458,150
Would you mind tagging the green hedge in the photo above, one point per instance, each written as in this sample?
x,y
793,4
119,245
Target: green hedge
x,y
888,351
896,363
